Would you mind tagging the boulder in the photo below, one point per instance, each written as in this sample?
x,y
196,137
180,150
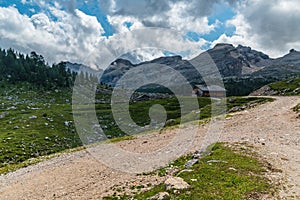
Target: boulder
x,y
176,183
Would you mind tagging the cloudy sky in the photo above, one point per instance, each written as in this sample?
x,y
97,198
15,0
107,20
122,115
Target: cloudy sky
x,y
84,31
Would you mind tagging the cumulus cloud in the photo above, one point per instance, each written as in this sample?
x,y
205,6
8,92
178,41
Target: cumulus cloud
x,y
77,37
119,23
270,26
69,37
181,15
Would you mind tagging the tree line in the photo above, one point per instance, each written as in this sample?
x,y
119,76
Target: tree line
x,y
16,67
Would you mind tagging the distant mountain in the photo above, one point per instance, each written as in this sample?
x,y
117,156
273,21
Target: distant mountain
x,y
77,68
237,61
239,66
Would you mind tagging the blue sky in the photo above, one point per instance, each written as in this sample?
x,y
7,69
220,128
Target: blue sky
x,y
59,28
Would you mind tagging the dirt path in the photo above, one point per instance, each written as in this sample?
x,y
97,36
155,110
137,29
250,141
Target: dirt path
x,y
272,127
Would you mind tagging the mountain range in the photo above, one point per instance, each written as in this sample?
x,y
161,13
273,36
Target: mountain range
x,y
242,69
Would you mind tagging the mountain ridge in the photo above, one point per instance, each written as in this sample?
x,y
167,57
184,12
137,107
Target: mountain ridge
x,y
238,63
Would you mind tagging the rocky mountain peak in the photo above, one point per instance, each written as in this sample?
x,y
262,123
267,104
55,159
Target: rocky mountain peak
x,y
122,61
223,46
168,59
290,59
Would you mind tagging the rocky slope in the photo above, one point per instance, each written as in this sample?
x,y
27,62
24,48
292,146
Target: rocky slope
x,y
240,67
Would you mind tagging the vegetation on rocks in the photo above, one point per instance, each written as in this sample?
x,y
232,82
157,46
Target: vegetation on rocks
x,y
227,172
287,87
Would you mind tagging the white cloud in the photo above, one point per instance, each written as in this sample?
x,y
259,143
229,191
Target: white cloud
x,y
271,27
179,19
77,37
118,22
70,37
57,5
142,55
268,26
180,15
158,39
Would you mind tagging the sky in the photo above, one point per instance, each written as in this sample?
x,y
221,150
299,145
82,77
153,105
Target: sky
x,y
96,31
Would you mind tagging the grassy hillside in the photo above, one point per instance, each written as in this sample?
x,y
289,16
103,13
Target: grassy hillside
x,y
287,87
35,122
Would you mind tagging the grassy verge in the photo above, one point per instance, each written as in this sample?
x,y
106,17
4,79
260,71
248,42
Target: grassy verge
x,y
225,173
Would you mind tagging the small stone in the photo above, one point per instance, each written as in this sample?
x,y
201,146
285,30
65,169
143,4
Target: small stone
x,y
170,122
16,127
33,117
216,161
160,196
231,100
232,169
67,123
176,183
191,163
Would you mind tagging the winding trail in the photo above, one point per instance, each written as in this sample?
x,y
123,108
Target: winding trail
x,y
273,128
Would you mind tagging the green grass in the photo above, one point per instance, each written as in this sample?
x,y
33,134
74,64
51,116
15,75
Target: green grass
x,y
119,139
22,138
297,108
288,87
239,175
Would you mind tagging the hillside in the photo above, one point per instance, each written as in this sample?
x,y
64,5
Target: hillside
x,y
288,87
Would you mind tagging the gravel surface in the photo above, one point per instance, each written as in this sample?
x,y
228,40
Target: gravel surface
x,y
273,128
